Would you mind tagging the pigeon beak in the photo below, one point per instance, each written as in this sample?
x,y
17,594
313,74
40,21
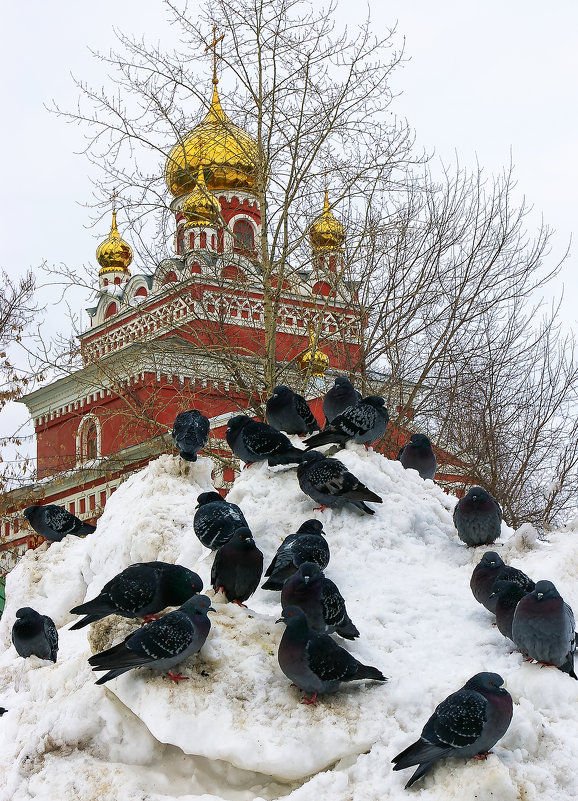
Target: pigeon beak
x,y
211,609
280,620
306,579
539,595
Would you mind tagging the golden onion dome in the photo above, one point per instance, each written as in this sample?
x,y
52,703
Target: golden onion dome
x,y
327,233
228,154
113,254
312,360
201,207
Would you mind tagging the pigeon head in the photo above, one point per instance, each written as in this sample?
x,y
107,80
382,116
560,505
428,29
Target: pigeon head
x,y
237,423
544,590
292,616
242,538
492,560
374,400
26,611
507,590
343,382
311,526
29,511
486,682
419,441
208,497
198,605
309,572
181,584
281,391
312,456
477,495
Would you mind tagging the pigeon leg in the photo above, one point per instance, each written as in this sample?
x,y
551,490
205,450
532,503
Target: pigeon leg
x,y
150,618
483,755
176,677
236,601
248,464
319,508
310,701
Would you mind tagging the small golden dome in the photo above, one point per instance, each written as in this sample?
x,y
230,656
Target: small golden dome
x,y
313,360
114,254
228,154
201,207
327,233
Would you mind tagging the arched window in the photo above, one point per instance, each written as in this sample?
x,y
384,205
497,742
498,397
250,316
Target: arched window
x,y
322,288
170,278
141,292
111,309
244,237
88,443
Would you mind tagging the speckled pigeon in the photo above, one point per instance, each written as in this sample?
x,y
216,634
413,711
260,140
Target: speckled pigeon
x,y
216,520
238,567
543,628
418,455
341,395
315,662
190,433
487,571
329,482
507,595
287,411
469,722
254,442
364,423
34,634
161,644
141,590
319,598
53,522
306,545
478,518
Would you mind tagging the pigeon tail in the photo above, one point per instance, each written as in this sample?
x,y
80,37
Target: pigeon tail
x,y
325,438
421,771
419,753
293,456
364,507
368,672
272,583
112,674
85,621
188,457
348,630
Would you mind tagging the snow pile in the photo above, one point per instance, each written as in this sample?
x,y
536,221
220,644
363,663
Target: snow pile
x,y
236,729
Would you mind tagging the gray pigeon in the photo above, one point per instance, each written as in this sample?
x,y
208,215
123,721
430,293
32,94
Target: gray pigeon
x,y
2,711
340,397
237,567
161,644
216,520
321,601
469,722
418,455
54,522
487,571
478,518
329,482
252,442
287,411
315,662
190,433
364,423
507,595
34,634
141,590
306,545
543,628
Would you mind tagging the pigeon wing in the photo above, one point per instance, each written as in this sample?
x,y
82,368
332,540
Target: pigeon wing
x,y
51,634
332,603
458,721
58,519
303,410
134,588
264,440
328,660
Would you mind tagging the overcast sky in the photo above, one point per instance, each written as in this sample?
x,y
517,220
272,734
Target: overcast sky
x,y
486,81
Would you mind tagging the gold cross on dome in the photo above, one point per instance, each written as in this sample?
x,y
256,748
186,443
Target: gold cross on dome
x,y
113,198
213,46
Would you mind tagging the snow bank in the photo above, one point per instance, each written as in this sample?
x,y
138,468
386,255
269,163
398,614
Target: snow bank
x,y
236,729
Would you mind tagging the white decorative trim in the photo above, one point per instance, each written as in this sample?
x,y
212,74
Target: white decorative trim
x,y
81,435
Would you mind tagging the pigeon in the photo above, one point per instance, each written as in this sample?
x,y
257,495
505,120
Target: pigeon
x,y
2,711
287,411
341,396
363,424
53,522
315,662
252,441
329,482
161,644
507,594
543,628
478,518
418,455
469,722
238,567
34,634
141,590
306,545
487,571
321,601
190,434
216,520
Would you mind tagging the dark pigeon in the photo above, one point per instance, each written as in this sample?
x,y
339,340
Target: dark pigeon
x,y
238,567
216,520
161,644
141,590
340,397
543,628
469,722
2,711
320,600
478,518
289,412
315,662
53,522
507,595
254,442
34,634
306,545
418,455
190,433
329,483
487,571
363,424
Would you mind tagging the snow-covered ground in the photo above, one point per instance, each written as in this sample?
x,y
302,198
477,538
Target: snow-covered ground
x,y
236,730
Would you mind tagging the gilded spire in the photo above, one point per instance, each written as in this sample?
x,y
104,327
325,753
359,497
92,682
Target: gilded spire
x,y
114,254
327,233
213,46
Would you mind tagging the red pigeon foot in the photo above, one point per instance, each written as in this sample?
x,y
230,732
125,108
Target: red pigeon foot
x,y
319,508
176,677
310,701
235,601
150,618
484,755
